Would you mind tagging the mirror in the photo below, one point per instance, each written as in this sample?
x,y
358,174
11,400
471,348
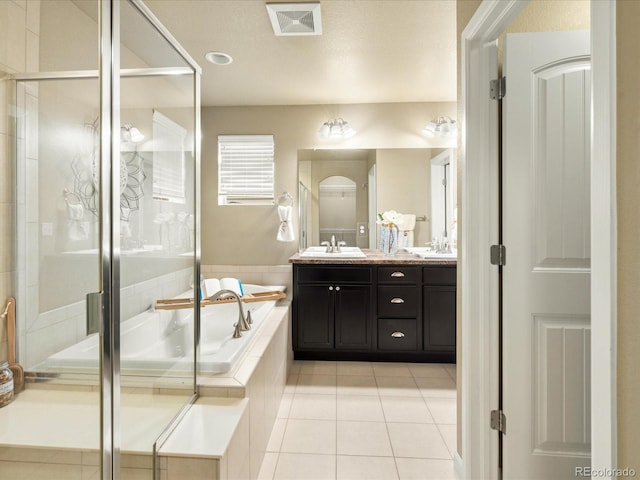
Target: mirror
x,y
442,219
337,205
372,181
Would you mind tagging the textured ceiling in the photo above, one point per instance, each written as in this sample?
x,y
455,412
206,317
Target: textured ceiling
x,y
371,51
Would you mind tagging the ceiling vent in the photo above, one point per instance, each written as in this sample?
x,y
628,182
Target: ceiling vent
x,y
295,18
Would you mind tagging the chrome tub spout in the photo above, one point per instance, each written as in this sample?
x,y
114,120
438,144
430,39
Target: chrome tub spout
x,y
244,323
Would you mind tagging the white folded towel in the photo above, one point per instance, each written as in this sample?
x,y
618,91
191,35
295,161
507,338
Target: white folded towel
x,y
77,228
407,222
285,230
406,225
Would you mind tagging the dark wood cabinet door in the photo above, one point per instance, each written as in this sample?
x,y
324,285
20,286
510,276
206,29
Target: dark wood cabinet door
x,y
315,326
439,314
353,317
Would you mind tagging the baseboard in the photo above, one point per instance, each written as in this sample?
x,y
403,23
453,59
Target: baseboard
x,y
458,466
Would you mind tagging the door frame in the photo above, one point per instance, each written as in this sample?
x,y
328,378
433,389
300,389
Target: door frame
x,y
478,165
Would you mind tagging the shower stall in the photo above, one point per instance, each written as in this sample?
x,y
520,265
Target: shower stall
x,y
106,127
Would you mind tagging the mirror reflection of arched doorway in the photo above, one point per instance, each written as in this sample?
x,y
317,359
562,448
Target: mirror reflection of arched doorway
x,y
337,202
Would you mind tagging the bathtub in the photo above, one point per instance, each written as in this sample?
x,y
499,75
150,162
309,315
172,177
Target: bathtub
x,y
162,340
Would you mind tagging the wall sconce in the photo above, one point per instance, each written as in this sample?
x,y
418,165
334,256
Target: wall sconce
x,y
336,129
129,133
441,127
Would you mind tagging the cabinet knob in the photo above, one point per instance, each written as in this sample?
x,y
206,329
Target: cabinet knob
x,y
331,287
337,289
397,300
397,274
397,334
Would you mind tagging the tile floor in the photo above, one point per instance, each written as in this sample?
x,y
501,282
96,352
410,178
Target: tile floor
x,y
361,420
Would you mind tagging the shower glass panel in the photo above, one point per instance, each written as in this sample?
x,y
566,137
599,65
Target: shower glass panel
x,y
56,111
63,226
157,232
58,238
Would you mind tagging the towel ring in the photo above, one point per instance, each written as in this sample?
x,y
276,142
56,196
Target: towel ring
x,y
284,200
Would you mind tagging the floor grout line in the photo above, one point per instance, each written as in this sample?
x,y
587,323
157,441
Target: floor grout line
x,y
354,397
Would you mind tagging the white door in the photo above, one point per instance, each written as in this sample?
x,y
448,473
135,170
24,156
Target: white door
x,y
546,326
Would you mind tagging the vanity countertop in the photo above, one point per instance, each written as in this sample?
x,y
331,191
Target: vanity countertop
x,y
374,257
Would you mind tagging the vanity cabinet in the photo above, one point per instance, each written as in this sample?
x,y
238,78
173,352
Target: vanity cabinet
x,y
398,308
332,308
390,312
439,309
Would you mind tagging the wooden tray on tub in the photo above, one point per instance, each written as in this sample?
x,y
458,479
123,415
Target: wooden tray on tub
x,y
177,303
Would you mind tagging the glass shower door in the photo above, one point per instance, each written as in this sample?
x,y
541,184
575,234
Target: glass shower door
x,y
106,174
156,153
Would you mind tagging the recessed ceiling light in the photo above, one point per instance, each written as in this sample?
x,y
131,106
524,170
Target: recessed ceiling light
x,y
219,58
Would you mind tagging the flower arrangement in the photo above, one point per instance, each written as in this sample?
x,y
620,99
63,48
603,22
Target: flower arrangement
x,y
388,222
389,218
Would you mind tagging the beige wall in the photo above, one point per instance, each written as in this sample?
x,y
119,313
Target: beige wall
x,y
246,235
628,203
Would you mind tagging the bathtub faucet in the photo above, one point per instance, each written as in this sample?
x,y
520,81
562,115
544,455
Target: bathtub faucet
x,y
244,323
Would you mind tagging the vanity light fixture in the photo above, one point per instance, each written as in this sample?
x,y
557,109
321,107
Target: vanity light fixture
x,y
129,133
218,58
336,129
440,127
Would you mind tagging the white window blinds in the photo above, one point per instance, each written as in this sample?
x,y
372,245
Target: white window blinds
x,y
245,169
168,159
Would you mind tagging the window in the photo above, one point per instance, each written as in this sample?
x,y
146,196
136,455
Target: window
x,y
245,169
168,159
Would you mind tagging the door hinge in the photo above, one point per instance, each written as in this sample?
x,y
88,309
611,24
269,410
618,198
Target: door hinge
x,y
498,421
498,88
498,255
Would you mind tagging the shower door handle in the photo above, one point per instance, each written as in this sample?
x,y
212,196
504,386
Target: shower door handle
x,y
95,309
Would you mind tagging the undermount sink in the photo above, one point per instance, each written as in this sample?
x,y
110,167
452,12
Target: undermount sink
x,y
426,252
321,252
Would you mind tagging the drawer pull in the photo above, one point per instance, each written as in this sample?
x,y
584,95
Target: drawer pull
x,y
397,274
337,289
397,300
330,288
397,334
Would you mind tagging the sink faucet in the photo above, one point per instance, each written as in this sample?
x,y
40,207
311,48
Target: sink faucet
x,y
333,246
244,323
440,245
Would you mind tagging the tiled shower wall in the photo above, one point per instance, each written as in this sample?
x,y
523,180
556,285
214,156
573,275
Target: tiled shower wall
x,y
19,52
51,331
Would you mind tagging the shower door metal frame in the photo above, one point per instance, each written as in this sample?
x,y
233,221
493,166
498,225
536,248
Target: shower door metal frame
x,y
109,74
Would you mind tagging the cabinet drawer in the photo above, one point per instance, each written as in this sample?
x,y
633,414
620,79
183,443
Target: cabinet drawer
x,y
333,274
439,275
397,334
397,301
398,274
